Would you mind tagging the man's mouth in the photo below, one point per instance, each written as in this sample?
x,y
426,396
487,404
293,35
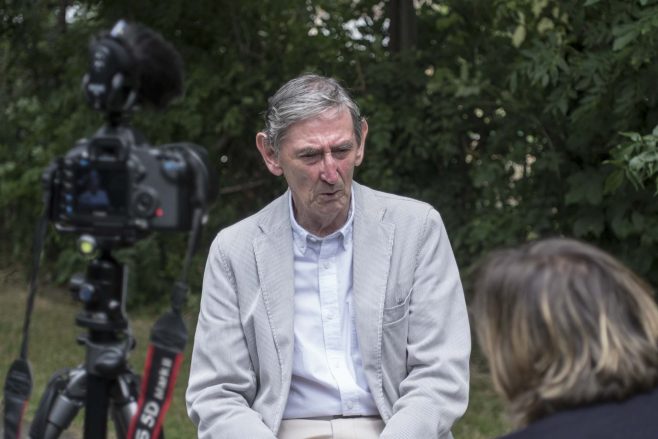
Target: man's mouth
x,y
331,194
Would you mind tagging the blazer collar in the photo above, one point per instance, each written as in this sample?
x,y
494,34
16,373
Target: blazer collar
x,y
274,263
373,247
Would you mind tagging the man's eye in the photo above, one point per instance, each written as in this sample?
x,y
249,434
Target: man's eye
x,y
341,153
310,157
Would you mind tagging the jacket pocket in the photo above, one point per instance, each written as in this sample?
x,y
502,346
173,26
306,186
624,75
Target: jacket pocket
x,y
398,312
395,329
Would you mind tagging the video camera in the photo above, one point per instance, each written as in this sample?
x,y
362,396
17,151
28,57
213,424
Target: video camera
x,y
115,186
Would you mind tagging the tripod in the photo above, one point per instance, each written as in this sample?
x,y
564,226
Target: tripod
x,y
105,382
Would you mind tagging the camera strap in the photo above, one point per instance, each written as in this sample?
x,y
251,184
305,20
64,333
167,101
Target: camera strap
x,y
18,384
165,354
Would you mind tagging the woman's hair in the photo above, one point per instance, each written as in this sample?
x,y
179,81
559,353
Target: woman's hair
x,y
303,98
563,323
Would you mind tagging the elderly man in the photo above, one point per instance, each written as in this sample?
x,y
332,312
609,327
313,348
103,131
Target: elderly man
x,y
336,311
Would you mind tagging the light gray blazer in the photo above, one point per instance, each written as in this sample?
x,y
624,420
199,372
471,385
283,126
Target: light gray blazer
x,y
411,322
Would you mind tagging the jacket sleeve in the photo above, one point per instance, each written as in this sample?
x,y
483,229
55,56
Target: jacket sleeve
x,y
222,383
435,392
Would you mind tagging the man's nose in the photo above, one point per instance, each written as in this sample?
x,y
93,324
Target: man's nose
x,y
329,171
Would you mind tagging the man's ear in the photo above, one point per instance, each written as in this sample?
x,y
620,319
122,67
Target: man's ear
x,y
270,157
362,147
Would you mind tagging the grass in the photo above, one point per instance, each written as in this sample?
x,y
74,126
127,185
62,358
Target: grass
x,y
53,346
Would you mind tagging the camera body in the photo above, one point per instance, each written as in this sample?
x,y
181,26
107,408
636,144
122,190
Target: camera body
x,y
111,186
114,185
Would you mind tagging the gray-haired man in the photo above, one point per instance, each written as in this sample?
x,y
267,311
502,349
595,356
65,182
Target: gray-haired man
x,y
336,311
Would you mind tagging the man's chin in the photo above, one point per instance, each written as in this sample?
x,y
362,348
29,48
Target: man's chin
x,y
330,207
337,200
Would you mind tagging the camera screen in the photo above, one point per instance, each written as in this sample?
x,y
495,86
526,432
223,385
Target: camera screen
x,y
101,191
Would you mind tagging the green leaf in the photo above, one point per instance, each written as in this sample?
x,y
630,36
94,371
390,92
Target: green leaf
x,y
614,181
591,225
622,227
518,37
585,187
625,39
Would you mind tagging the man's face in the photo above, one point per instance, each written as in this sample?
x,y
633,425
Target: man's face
x,y
317,159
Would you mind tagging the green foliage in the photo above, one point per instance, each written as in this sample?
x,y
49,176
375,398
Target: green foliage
x,y
517,119
636,160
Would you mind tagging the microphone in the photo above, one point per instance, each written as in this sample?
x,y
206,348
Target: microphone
x,y
132,64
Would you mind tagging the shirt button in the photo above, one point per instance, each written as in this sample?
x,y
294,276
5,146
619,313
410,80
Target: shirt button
x,y
350,405
325,265
330,316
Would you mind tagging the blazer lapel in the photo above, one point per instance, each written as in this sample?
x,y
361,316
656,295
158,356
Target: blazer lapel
x,y
274,262
373,246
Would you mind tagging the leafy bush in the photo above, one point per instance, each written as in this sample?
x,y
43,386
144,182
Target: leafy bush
x,y
506,115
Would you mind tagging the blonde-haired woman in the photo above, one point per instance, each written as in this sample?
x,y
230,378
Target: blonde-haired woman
x,y
571,336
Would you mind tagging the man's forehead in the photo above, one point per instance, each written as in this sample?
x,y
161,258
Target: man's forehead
x,y
333,122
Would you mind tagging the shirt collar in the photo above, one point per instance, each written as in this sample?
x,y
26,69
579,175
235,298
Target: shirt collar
x,y
301,236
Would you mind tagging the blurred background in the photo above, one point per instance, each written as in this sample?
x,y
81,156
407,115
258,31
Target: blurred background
x,y
515,119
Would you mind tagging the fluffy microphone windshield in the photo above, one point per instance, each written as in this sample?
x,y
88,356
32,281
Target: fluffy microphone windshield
x,y
159,67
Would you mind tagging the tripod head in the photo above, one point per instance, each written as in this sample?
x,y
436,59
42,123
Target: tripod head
x,y
102,289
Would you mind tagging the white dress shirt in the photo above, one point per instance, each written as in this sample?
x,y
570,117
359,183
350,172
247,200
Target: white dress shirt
x,y
327,371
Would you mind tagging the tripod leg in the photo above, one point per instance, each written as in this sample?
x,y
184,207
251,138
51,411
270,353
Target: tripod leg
x,y
124,402
96,407
61,401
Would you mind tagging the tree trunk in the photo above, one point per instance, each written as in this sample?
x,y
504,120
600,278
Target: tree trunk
x,y
61,17
403,28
